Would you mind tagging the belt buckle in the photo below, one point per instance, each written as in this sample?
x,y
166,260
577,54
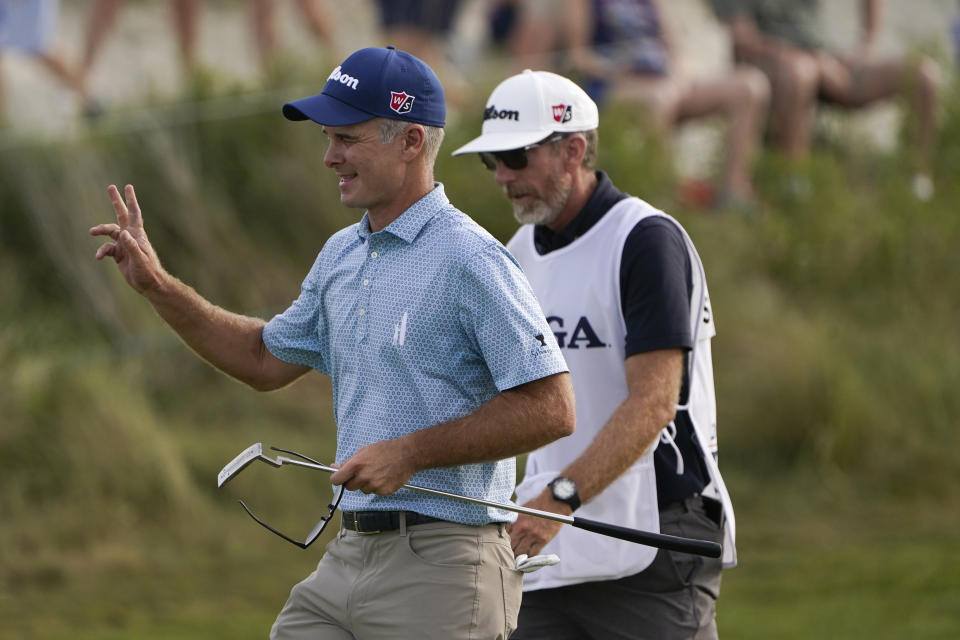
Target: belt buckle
x,y
356,527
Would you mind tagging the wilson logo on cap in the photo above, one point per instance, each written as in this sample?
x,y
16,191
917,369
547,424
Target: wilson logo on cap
x,y
491,113
401,102
343,78
562,113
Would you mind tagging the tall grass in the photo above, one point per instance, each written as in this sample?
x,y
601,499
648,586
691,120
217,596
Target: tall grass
x,y
837,356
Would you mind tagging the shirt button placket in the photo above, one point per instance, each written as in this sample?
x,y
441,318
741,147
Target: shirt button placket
x,y
363,312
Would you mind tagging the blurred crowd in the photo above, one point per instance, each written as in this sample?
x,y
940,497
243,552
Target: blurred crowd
x,y
30,27
781,72
622,51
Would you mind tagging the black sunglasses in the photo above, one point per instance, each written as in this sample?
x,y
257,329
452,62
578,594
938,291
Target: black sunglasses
x,y
515,159
318,528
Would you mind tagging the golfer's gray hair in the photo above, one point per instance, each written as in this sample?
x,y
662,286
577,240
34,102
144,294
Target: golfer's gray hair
x,y
590,155
390,129
592,138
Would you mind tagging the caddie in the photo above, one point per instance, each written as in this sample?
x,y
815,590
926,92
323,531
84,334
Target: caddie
x,y
626,297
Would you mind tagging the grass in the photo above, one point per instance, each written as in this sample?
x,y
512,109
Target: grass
x,y
837,359
820,567
839,566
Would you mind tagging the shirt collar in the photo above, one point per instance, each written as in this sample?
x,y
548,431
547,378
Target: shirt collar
x,y
409,224
604,196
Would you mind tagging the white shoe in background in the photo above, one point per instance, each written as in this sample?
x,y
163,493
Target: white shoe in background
x,y
922,187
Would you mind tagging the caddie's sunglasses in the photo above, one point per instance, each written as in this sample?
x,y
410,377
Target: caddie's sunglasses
x,y
515,159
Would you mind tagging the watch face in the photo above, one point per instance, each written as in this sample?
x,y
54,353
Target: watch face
x,y
564,488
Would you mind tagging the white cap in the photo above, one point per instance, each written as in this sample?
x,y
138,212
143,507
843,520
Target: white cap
x,y
528,107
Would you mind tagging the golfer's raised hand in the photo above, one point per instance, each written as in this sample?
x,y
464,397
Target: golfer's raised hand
x,y
129,248
530,535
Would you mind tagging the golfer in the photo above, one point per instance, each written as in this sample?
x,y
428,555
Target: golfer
x,y
625,294
443,368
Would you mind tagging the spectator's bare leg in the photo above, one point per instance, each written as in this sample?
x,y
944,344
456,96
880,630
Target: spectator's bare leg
x,y
419,42
264,29
54,62
320,21
534,36
102,19
72,78
795,79
743,99
877,80
186,15
928,89
430,48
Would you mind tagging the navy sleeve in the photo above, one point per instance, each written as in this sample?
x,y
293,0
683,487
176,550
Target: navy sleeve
x,y
655,287
656,283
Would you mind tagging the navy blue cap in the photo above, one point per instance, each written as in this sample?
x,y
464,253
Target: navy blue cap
x,y
371,83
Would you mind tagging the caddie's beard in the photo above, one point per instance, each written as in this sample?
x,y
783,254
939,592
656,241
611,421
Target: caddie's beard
x,y
543,209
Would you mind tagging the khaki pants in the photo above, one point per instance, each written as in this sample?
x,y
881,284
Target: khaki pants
x,y
435,580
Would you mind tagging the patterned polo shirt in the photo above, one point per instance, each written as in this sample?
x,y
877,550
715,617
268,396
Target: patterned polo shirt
x,y
419,323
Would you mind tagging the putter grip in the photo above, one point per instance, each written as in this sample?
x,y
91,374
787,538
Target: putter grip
x,y
658,540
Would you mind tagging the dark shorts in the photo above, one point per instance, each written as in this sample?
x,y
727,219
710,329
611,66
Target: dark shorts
x,y
675,597
435,16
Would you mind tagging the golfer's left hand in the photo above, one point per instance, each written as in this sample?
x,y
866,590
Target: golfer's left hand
x,y
130,248
529,534
381,468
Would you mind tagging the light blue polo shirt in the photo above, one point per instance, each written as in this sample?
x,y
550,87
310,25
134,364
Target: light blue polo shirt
x,y
416,324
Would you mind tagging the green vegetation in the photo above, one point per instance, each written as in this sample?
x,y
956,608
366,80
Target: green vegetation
x,y
837,360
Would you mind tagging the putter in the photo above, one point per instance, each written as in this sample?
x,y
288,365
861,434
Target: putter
x,y
658,540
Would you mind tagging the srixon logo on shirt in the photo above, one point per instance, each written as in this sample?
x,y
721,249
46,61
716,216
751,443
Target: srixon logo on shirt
x,y
582,334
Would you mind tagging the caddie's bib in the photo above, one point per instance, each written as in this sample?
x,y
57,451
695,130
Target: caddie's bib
x,y
578,287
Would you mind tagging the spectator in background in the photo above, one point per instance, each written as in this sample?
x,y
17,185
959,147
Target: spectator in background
x,y
422,27
316,14
528,29
186,17
30,26
780,37
501,16
623,50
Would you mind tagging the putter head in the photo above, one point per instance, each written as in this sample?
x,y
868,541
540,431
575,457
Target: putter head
x,y
238,464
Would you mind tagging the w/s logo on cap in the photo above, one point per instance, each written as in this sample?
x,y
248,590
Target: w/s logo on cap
x,y
562,113
401,101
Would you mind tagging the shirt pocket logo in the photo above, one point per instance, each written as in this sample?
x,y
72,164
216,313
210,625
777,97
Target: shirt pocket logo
x,y
400,331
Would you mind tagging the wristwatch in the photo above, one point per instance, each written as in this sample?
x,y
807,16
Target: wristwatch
x,y
565,490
